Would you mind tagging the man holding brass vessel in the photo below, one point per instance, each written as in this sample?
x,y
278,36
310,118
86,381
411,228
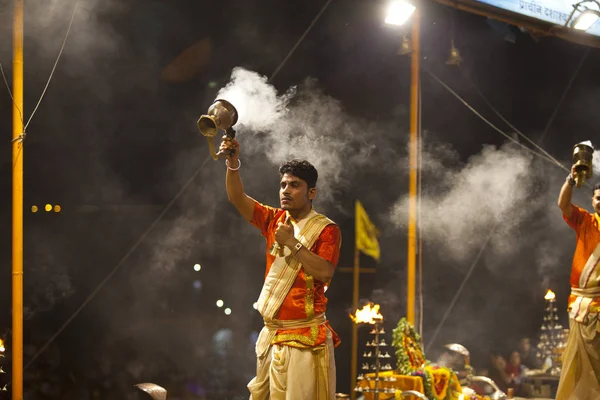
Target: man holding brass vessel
x,y
580,375
294,350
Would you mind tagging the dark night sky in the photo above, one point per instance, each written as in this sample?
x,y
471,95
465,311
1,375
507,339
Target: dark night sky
x,y
113,133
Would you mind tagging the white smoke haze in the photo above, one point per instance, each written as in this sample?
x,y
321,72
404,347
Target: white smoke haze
x,y
302,123
47,21
176,243
259,106
194,225
548,256
190,225
91,38
596,163
495,193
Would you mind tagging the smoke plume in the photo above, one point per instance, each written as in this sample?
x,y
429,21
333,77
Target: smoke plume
x,y
493,192
303,122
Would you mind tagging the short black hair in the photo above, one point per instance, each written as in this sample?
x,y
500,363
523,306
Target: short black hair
x,y
596,187
301,169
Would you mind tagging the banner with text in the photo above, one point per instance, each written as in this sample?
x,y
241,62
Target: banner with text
x,y
553,11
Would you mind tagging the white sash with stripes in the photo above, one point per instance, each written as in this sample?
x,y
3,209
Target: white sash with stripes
x,y
589,286
283,273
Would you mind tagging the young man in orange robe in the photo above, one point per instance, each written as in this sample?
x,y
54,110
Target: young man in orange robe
x,y
580,375
294,350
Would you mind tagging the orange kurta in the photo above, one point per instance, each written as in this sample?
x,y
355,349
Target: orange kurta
x,y
306,298
587,230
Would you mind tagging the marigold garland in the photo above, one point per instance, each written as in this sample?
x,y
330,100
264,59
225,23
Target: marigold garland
x,y
439,383
439,380
409,354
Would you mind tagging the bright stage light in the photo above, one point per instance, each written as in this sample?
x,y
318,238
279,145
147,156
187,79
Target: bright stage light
x,y
399,12
586,20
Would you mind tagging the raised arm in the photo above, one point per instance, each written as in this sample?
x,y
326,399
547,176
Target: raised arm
x,y
566,193
233,181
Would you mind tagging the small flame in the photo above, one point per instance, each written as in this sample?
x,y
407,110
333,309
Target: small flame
x,y
369,314
550,295
2,348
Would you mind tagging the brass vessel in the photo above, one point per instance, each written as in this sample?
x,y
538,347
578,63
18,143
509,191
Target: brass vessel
x,y
221,116
583,154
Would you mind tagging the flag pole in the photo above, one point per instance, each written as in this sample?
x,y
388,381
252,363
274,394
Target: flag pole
x,y
365,241
354,361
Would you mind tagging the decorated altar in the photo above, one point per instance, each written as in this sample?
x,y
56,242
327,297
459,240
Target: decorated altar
x,y
413,371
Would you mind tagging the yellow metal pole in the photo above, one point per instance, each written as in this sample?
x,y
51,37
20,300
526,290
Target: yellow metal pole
x,y
17,205
354,361
412,185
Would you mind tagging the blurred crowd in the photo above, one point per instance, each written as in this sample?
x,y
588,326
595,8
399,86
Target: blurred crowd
x,y
509,370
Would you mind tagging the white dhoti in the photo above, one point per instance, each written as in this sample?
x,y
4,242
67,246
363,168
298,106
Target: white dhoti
x,y
289,373
580,375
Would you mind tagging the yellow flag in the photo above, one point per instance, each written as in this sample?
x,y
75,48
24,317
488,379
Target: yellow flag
x,y
366,233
